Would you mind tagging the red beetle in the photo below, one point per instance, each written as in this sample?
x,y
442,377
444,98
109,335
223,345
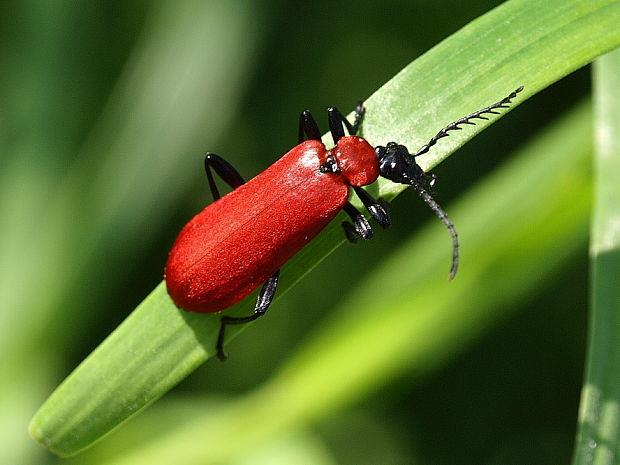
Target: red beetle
x,y
242,239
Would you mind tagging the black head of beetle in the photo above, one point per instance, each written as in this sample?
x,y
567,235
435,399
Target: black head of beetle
x,y
398,165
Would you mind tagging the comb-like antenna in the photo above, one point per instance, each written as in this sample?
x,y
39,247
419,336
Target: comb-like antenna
x,y
446,221
468,120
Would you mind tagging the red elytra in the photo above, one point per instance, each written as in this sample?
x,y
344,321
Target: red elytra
x,y
236,243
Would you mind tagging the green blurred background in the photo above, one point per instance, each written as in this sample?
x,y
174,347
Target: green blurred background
x,y
110,107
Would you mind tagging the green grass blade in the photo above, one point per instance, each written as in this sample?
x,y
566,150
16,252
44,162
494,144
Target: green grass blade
x,y
418,319
598,440
519,43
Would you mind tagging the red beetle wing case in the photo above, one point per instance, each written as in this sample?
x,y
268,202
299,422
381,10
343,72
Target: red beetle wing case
x,y
236,243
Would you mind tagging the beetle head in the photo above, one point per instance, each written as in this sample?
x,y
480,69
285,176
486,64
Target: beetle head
x,y
398,165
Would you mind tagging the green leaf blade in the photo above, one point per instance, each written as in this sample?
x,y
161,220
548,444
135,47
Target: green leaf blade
x,y
417,320
598,439
529,43
124,388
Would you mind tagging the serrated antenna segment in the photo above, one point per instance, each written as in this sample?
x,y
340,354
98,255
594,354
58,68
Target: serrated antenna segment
x,y
502,104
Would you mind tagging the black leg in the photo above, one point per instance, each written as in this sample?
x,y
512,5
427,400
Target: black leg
x,y
265,297
376,208
337,122
468,120
307,125
359,116
349,232
360,227
225,171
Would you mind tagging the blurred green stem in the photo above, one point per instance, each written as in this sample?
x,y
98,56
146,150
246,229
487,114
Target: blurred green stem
x,y
598,440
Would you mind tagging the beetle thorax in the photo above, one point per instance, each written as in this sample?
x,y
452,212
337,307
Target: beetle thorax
x,y
356,160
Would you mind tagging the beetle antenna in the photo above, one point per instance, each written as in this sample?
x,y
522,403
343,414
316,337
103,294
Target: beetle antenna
x,y
468,120
446,221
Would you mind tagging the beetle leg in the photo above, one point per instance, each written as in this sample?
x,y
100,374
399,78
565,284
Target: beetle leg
x,y
359,116
265,297
376,208
349,232
307,124
360,227
225,171
337,120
